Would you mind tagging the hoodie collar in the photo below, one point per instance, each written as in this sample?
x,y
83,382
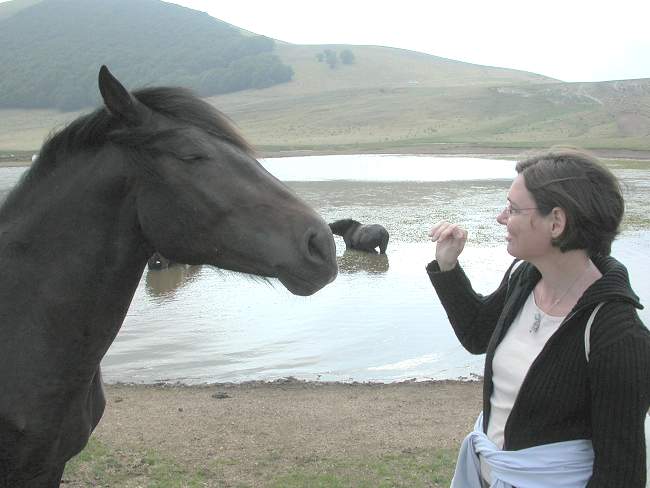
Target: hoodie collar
x,y
613,285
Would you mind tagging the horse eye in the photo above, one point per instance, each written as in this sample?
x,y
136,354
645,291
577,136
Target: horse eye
x,y
192,158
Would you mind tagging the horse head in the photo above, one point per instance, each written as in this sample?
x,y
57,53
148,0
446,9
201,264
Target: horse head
x,y
203,198
340,227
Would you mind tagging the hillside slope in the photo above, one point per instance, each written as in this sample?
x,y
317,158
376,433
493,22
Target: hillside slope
x,y
52,51
387,99
7,9
378,66
387,110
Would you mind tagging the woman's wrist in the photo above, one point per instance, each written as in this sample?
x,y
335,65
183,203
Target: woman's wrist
x,y
447,265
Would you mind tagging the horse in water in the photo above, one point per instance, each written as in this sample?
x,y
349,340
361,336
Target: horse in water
x,y
157,169
361,237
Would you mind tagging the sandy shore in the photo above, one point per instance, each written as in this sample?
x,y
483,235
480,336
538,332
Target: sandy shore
x,y
292,412
290,422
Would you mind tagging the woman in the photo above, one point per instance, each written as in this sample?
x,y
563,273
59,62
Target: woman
x,y
550,416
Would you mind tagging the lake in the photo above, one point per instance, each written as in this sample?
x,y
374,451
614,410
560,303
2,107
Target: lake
x,y
380,320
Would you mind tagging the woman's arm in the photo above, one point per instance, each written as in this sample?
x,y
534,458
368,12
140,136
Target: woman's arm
x,y
473,316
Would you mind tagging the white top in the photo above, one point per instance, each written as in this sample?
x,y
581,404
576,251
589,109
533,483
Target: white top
x,y
512,360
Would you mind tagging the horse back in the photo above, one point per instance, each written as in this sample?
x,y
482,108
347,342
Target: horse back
x,y
370,236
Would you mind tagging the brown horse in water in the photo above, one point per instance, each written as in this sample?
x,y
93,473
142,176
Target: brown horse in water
x,y
158,169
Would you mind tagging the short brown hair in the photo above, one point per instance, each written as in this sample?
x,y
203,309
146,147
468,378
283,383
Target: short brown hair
x,y
584,188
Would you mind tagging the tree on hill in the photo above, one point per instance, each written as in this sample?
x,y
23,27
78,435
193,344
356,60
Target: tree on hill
x,y
52,52
331,58
346,56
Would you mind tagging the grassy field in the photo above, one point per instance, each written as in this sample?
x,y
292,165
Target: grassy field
x,y
534,116
101,465
402,101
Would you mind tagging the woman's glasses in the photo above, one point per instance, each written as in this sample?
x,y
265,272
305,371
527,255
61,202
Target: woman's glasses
x,y
510,210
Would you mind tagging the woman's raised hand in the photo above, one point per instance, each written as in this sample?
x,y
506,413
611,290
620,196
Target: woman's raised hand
x,y
450,240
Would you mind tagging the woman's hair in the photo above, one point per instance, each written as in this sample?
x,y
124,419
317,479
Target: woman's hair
x,y
587,191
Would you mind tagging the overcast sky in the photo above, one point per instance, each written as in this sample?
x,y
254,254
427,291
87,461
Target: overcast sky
x,y
571,40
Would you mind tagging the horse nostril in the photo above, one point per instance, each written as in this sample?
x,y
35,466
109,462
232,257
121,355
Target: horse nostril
x,y
312,246
319,252
317,246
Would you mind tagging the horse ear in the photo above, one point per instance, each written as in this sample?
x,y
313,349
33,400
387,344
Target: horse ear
x,y
117,99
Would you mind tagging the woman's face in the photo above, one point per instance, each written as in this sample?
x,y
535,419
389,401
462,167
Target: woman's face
x,y
528,232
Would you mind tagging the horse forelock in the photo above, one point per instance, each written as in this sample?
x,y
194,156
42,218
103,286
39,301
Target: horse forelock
x,y
181,105
178,104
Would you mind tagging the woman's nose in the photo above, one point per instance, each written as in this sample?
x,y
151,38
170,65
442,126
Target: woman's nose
x,y
502,218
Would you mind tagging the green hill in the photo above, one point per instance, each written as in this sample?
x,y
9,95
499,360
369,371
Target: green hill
x,y
381,99
52,51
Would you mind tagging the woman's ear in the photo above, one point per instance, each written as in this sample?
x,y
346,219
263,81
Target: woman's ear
x,y
558,222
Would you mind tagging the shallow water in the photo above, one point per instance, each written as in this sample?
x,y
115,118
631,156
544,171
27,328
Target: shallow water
x,y
380,320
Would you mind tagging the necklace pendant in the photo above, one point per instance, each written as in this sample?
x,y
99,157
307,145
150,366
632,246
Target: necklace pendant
x,y
536,323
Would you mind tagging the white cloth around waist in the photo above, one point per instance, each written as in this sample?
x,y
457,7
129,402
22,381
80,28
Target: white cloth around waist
x,y
567,464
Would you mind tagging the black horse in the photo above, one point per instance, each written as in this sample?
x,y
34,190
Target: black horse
x,y
361,237
158,169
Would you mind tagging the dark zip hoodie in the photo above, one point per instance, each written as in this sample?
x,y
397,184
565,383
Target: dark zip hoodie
x,y
564,397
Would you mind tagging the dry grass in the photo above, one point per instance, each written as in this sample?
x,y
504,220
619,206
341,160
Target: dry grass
x,y
397,99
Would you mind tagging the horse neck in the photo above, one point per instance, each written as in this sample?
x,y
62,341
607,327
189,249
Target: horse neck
x,y
352,228
71,250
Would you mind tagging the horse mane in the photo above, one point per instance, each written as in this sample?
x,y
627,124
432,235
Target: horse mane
x,y
99,127
346,222
182,105
341,226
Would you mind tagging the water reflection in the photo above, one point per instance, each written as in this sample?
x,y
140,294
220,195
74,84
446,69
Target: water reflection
x,y
164,283
353,261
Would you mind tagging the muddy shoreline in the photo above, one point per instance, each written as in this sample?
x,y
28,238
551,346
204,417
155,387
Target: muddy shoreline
x,y
24,158
252,433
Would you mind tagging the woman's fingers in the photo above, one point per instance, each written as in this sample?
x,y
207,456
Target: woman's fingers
x,y
439,230
450,241
444,230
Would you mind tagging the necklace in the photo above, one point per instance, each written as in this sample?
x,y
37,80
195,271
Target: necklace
x,y
537,319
